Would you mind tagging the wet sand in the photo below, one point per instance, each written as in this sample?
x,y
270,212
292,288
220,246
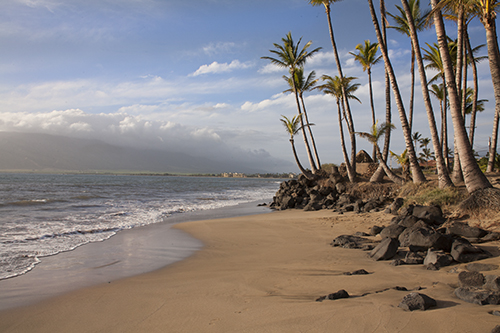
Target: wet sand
x,y
263,273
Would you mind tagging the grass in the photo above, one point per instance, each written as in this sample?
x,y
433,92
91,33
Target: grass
x,y
430,194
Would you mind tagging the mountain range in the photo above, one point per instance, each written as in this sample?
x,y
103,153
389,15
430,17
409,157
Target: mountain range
x,y
44,153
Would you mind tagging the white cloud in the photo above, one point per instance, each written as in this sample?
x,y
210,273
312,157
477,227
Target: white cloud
x,y
217,48
216,67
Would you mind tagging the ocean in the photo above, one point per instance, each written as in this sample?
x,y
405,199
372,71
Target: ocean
x,y
42,215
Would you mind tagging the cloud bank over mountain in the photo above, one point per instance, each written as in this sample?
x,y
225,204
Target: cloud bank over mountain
x,y
180,148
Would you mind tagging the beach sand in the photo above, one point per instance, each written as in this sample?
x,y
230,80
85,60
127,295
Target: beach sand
x,y
263,273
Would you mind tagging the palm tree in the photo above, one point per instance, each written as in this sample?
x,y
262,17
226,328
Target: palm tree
x,y
349,120
434,61
367,57
474,178
486,10
403,26
418,175
289,55
443,176
472,106
378,176
302,85
404,161
376,132
292,127
439,92
337,87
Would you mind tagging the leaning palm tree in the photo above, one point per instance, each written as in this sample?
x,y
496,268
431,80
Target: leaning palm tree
x,y
337,87
443,176
303,84
418,175
376,132
474,178
367,57
289,55
349,119
292,128
402,25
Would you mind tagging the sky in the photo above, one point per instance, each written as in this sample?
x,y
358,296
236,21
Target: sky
x,y
188,76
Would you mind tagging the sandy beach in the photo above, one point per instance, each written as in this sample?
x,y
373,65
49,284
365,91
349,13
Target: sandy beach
x,y
263,273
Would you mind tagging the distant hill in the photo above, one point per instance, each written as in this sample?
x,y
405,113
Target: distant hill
x,y
43,152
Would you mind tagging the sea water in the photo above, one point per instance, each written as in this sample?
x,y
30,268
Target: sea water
x,y
42,215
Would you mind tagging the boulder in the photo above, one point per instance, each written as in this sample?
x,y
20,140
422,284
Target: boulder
x,y
479,267
492,282
477,296
465,230
491,236
423,236
375,230
350,241
414,258
436,259
463,251
408,221
338,295
470,279
417,301
386,250
392,231
431,214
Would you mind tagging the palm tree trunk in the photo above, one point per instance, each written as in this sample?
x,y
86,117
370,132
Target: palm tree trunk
x,y
457,169
306,142
418,175
473,176
318,163
378,176
350,172
350,125
392,176
476,90
301,168
412,88
494,60
374,153
443,176
445,124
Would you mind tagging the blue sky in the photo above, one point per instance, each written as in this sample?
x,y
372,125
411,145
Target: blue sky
x,y
188,75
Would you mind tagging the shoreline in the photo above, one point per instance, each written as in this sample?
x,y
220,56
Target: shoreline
x,y
263,273
129,252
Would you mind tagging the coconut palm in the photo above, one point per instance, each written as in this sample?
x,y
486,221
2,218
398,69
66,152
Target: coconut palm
x,y
349,120
289,55
474,178
367,57
404,162
292,128
486,10
303,84
337,87
378,175
439,92
402,25
418,175
443,176
376,132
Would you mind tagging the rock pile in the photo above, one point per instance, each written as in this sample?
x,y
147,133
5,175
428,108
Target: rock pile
x,y
328,193
418,235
